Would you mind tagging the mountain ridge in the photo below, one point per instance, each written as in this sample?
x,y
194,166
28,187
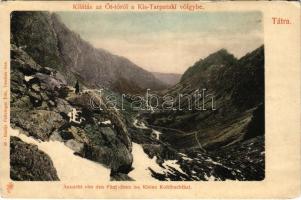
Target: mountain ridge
x,y
225,143
238,91
221,57
66,51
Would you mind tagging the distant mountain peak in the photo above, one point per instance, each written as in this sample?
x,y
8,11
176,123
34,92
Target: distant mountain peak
x,y
219,58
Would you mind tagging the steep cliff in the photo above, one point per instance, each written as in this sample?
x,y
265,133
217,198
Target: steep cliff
x,y
52,44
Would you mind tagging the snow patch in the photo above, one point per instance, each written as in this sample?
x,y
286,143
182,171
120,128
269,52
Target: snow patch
x,y
69,167
172,163
141,165
209,178
213,162
185,157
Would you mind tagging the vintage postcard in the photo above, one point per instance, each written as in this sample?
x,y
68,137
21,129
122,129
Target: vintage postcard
x,y
150,99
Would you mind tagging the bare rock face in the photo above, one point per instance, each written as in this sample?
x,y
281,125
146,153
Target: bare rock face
x,y
23,61
33,31
74,145
61,49
117,120
107,144
42,105
29,163
38,123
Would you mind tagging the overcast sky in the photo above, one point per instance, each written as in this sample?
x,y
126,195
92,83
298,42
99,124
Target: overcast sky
x,y
168,41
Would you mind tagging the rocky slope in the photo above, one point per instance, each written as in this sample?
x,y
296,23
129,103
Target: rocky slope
x,y
29,163
51,44
237,89
167,162
244,161
224,143
43,106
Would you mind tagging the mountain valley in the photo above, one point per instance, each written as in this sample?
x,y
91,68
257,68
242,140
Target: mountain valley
x,y
222,141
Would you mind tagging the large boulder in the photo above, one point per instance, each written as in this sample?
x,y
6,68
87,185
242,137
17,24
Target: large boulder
x,y
86,101
22,61
74,145
120,177
62,106
116,156
49,82
28,163
105,146
37,123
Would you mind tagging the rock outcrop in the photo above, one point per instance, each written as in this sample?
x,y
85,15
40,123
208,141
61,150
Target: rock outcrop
x,y
45,107
28,163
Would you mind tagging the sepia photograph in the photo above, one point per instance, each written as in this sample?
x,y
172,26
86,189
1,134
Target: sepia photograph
x,y
135,96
